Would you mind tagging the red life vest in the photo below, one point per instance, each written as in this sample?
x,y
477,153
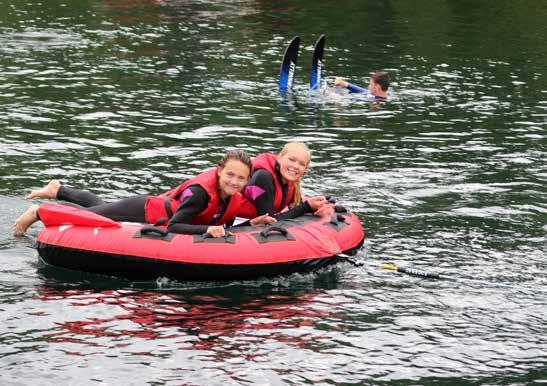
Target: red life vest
x,y
268,161
156,206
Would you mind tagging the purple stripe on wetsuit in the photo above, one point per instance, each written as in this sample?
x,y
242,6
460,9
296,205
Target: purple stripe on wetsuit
x,y
253,192
186,193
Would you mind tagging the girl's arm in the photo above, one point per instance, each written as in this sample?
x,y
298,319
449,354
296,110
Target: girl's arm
x,y
260,192
194,201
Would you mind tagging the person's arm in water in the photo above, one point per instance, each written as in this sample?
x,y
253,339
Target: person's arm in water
x,y
194,201
353,88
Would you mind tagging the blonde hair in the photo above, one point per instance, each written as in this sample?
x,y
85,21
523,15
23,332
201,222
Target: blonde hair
x,y
297,198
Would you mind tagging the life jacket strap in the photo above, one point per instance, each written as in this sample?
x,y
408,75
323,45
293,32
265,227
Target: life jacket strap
x,y
167,207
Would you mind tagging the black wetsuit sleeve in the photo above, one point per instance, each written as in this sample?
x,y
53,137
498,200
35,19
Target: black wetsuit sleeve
x,y
294,212
262,184
263,181
191,206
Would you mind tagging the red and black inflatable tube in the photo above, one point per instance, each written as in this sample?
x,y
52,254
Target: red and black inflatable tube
x,y
74,239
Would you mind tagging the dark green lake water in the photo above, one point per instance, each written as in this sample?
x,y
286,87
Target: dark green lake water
x,y
126,97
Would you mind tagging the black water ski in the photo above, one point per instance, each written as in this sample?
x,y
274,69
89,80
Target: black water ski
x,y
317,63
288,66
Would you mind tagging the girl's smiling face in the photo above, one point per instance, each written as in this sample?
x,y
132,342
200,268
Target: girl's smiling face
x,y
293,162
232,177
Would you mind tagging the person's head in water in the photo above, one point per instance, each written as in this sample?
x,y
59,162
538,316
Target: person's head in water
x,y
379,83
234,170
294,159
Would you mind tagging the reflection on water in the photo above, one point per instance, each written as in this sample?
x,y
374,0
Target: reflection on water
x,y
258,331
125,97
152,315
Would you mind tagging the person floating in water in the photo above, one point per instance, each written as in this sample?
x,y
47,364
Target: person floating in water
x,y
377,86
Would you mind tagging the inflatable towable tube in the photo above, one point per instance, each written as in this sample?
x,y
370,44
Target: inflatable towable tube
x,y
81,240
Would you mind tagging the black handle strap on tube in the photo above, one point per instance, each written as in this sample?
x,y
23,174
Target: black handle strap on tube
x,y
228,238
337,218
275,228
153,230
207,235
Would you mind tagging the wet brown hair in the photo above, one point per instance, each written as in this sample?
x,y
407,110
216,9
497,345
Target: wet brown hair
x,y
236,155
381,78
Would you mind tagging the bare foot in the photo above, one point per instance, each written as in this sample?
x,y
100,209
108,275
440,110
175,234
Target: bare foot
x,y
48,191
24,221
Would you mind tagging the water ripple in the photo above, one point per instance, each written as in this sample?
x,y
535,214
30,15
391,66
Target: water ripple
x,y
128,98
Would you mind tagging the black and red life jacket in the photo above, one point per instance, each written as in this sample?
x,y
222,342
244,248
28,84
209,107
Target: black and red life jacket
x,y
268,161
163,206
